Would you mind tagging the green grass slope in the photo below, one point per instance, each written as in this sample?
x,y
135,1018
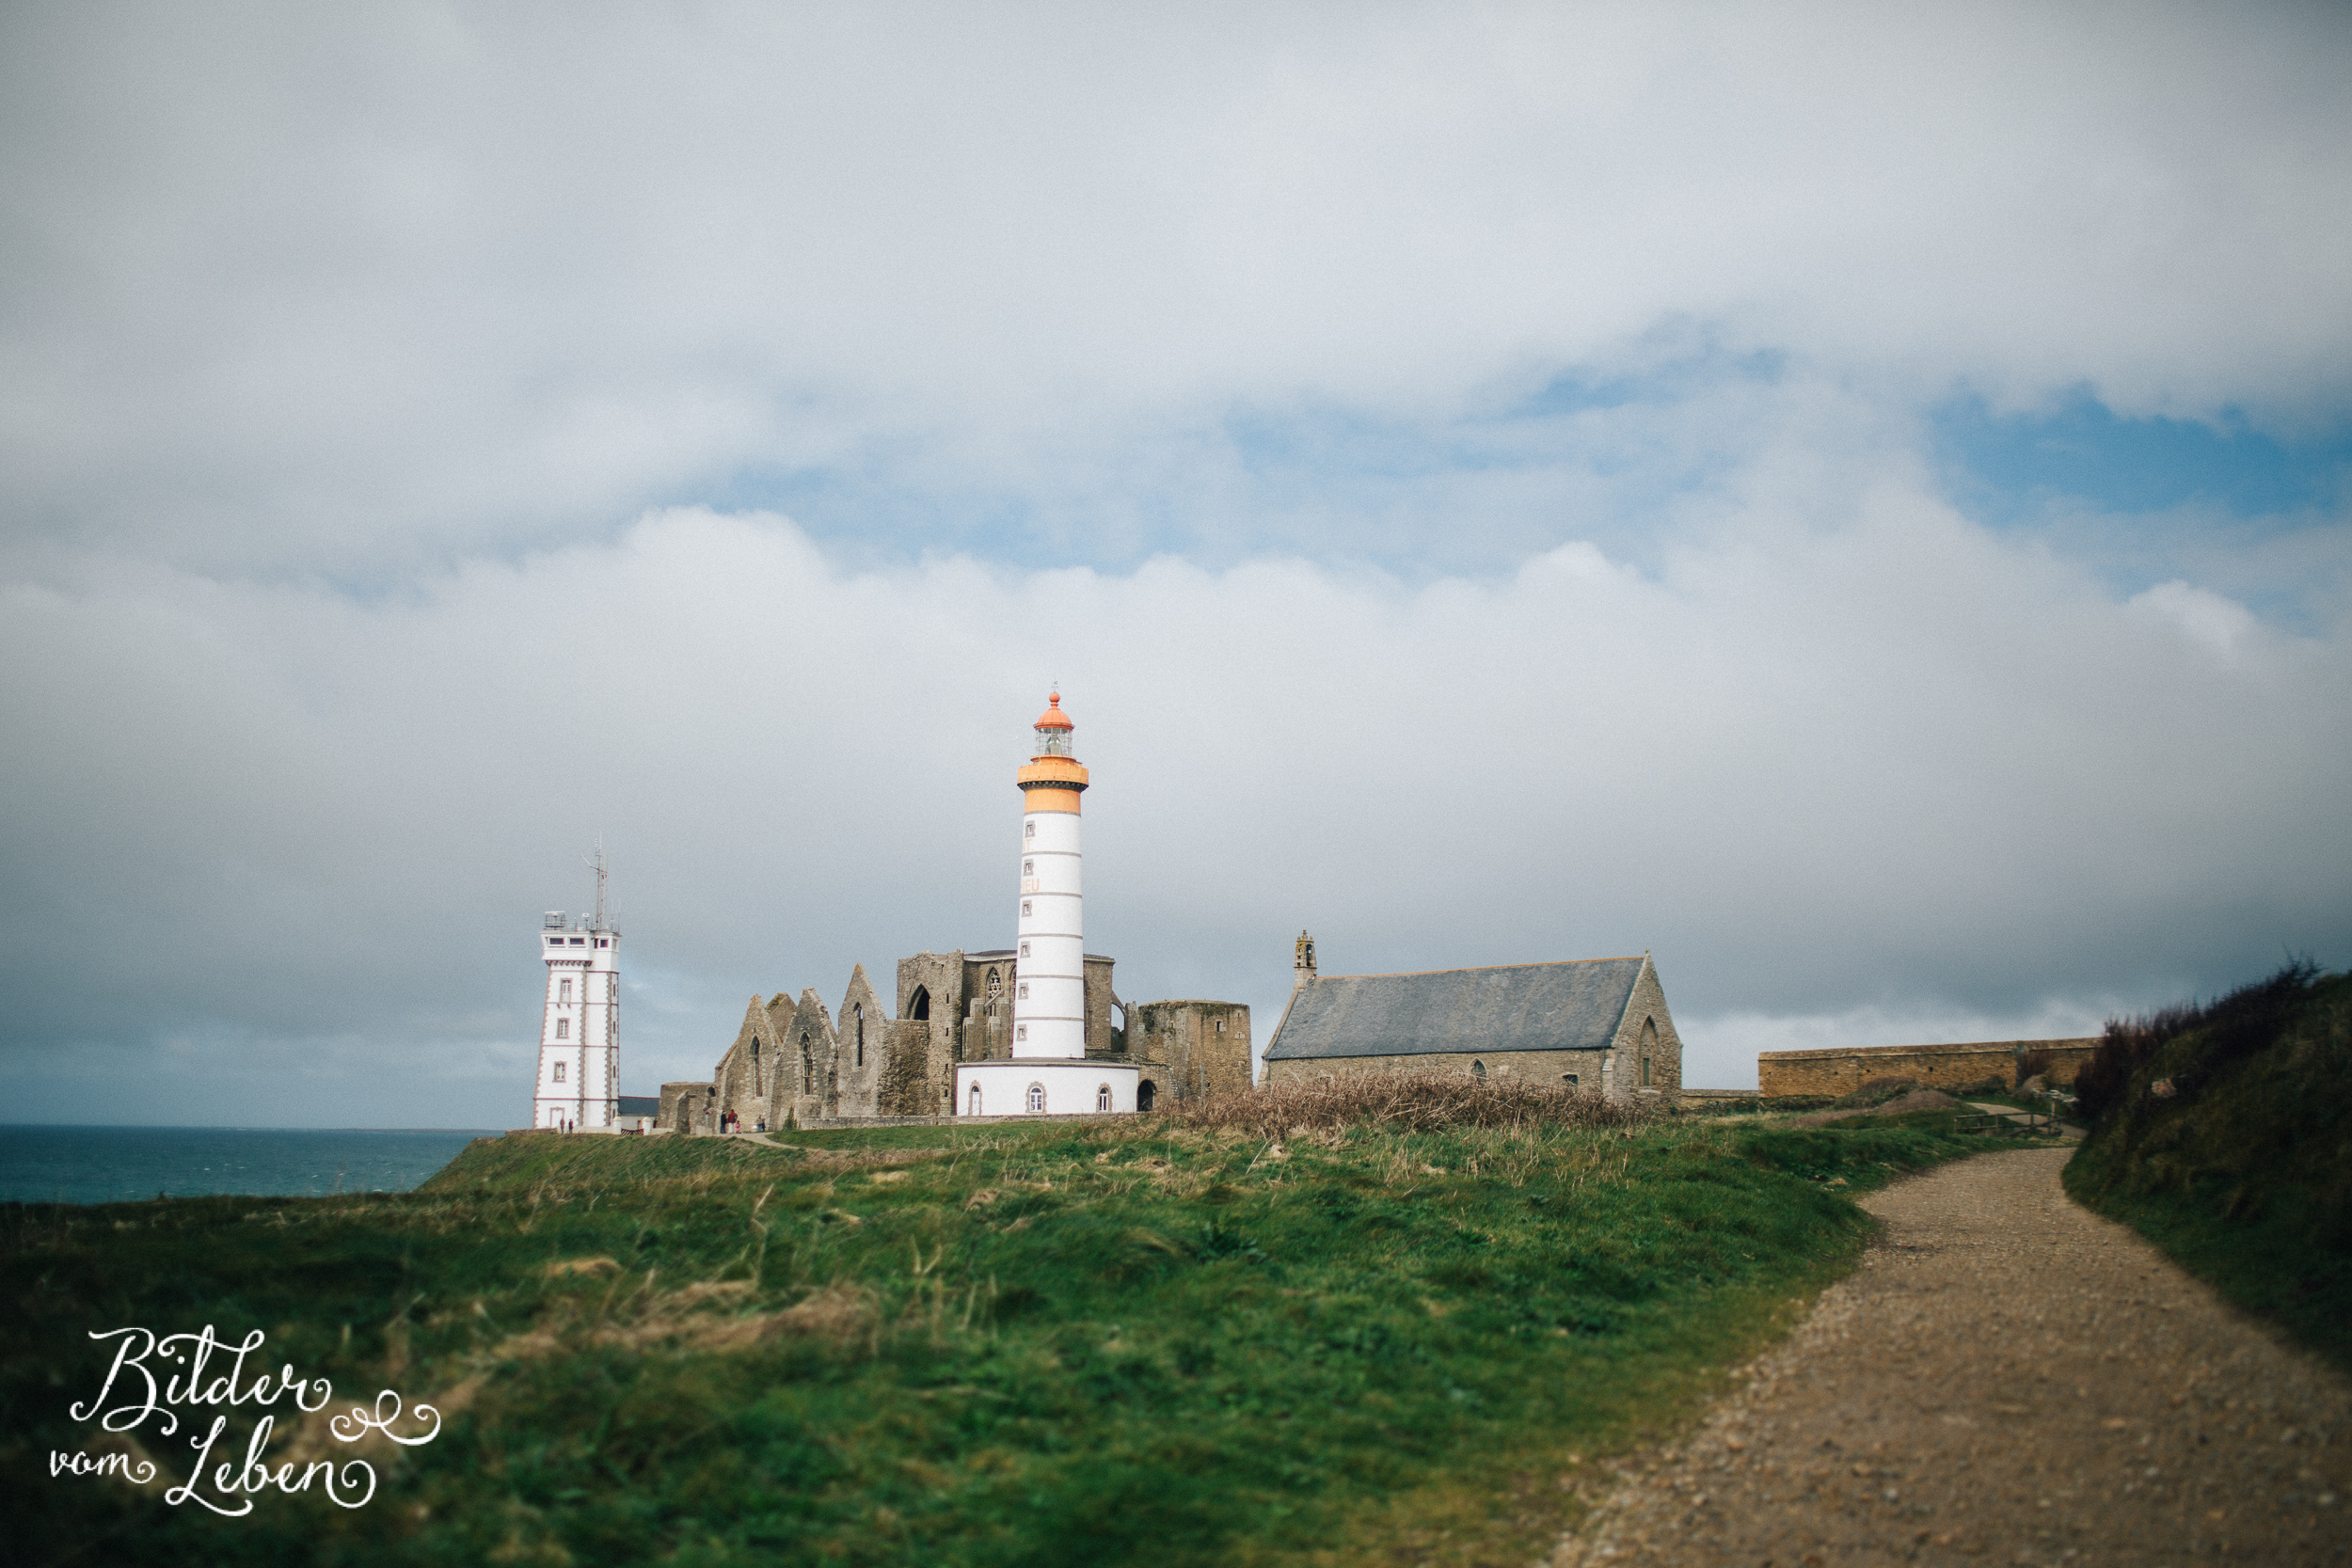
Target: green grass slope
x,y
2225,1137
1077,1343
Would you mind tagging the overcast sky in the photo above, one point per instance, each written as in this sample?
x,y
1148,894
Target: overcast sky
x,y
1850,500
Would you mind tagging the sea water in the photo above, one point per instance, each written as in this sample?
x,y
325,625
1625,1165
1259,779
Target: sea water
x,y
109,1165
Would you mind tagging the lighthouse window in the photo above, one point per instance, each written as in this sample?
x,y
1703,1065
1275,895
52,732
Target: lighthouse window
x,y
1028,868
555,941
559,1072
563,990
1024,990
1029,830
1024,906
602,943
1025,949
1021,1033
579,942
1037,1097
562,1028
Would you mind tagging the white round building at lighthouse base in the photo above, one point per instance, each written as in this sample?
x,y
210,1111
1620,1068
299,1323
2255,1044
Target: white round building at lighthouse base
x,y
1048,1087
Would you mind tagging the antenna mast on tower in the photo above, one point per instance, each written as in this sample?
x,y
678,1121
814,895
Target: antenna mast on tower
x,y
597,867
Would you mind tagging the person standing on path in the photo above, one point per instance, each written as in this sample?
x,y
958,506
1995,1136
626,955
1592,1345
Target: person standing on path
x,y
2008,1379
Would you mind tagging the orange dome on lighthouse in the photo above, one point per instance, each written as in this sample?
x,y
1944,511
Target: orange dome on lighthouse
x,y
1054,717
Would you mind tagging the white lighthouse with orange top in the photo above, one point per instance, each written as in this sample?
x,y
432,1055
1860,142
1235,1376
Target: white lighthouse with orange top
x,y
1048,1072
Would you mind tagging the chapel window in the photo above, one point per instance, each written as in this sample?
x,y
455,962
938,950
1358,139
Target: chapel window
x,y
976,1102
1646,1071
861,1033
996,983
1037,1097
1103,1096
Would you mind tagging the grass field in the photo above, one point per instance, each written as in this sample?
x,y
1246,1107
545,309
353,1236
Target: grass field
x,y
1042,1344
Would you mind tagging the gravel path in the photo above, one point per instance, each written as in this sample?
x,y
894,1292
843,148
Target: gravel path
x,y
2007,1379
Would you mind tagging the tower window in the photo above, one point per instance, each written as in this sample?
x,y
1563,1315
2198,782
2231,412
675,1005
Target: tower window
x,y
1029,830
1025,908
1024,990
602,943
562,1028
1037,1097
1220,1026
559,1072
1025,949
1021,1033
1028,868
579,942
861,1033
563,990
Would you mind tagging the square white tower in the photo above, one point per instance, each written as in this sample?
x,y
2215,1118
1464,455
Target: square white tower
x,y
578,1086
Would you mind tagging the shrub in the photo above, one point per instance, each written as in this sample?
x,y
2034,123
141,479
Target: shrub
x,y
2033,1064
1409,1102
2235,1026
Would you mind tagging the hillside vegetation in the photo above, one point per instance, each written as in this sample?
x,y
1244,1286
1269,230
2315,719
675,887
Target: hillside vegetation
x,y
2223,1133
1247,1341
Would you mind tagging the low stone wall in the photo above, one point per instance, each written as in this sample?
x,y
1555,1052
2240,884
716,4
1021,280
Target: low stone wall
x,y
1780,1073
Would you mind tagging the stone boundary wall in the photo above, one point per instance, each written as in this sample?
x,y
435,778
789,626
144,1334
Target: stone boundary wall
x,y
1941,1066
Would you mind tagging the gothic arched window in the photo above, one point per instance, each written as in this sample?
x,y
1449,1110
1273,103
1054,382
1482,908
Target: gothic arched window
x,y
919,1004
996,985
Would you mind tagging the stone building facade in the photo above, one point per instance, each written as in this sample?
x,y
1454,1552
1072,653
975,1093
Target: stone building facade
x,y
794,1062
1205,1045
1597,1025
1939,1066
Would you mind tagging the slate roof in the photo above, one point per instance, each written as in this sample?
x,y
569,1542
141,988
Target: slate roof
x,y
1573,1005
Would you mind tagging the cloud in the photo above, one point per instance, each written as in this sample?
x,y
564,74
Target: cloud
x,y
304,290
1878,765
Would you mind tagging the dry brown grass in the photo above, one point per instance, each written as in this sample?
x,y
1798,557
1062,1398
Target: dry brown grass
x,y
1407,1102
